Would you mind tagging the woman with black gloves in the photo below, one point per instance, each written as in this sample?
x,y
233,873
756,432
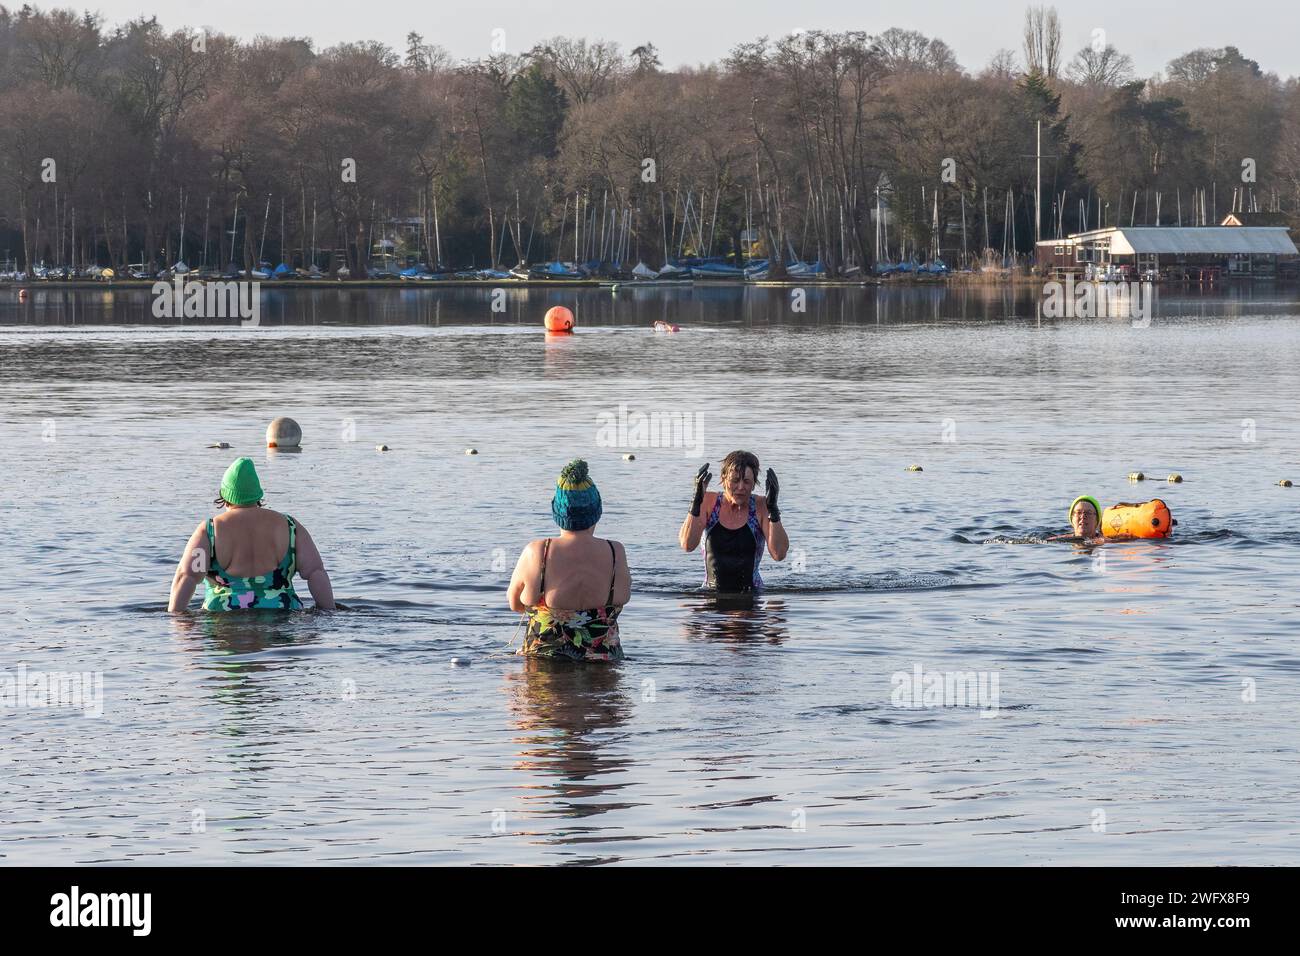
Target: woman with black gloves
x,y
736,524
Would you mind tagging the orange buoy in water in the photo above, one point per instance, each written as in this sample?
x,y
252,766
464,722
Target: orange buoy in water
x,y
22,295
1148,519
558,319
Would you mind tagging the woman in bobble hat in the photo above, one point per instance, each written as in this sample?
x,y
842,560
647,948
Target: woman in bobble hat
x,y
248,556
574,570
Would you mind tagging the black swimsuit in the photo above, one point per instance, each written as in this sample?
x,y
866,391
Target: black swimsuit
x,y
731,555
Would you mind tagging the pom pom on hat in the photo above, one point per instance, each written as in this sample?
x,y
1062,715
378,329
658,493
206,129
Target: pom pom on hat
x,y
576,505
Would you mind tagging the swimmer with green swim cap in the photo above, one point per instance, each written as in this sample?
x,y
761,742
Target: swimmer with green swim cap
x,y
1085,519
240,485
247,556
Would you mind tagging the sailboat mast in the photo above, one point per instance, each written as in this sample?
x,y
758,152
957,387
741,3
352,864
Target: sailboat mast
x,y
437,232
1038,189
564,218
266,218
234,225
663,223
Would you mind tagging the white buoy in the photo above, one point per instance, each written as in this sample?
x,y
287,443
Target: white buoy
x,y
382,448
283,433
471,451
629,457
460,662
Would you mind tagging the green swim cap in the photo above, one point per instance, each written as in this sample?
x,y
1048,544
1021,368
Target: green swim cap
x,y
239,485
1088,498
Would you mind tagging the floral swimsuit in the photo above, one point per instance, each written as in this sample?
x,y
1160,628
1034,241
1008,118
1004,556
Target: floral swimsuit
x,y
224,592
590,635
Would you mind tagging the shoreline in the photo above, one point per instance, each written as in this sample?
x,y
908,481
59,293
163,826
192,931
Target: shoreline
x,y
956,279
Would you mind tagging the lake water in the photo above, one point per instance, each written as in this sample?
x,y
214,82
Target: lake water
x,y
1147,693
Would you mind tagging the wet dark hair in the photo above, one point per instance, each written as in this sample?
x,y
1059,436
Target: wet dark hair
x,y
221,502
738,461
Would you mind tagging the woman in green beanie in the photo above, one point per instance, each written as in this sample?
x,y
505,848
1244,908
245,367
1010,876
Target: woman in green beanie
x,y
248,555
1085,520
574,570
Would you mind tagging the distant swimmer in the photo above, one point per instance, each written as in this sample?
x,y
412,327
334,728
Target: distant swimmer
x,y
736,525
248,556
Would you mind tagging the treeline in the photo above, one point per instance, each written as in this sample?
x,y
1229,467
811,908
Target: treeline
x,y
119,144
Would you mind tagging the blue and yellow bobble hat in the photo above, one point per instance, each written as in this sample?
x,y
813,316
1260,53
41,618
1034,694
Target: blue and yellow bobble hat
x,y
576,505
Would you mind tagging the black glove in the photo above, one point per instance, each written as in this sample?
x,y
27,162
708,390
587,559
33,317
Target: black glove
x,y
773,512
702,479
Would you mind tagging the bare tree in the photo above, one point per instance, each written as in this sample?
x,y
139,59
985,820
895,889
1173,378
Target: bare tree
x,y
1004,65
908,51
60,48
1289,145
1106,68
1042,41
585,70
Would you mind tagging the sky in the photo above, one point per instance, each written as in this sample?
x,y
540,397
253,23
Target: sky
x,y
690,32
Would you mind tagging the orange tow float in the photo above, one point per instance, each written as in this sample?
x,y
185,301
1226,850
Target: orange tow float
x,y
1147,519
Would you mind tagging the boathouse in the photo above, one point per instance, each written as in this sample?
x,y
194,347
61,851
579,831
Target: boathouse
x,y
1198,253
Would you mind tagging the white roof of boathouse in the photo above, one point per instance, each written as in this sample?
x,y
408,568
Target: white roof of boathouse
x,y
1189,240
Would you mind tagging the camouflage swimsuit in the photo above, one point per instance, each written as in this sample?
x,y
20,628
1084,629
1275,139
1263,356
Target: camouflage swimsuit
x,y
590,635
225,592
